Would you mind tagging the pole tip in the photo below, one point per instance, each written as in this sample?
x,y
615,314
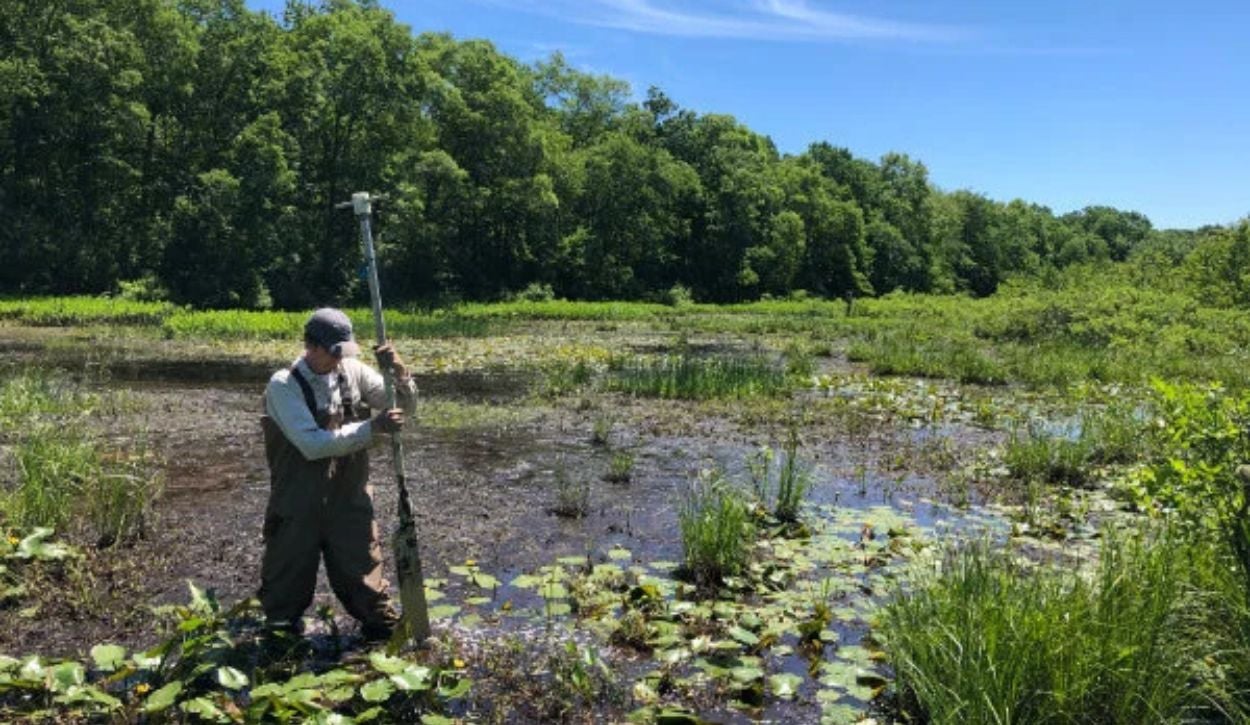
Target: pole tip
x,y
360,203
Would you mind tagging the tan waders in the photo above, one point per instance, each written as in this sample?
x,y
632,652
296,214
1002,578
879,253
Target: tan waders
x,y
321,508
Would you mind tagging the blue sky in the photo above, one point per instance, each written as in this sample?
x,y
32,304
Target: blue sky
x,y
1142,104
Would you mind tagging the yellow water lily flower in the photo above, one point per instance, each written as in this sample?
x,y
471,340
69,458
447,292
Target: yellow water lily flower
x,y
142,688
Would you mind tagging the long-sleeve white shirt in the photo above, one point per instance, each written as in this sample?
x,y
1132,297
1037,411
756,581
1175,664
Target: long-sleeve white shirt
x,y
285,404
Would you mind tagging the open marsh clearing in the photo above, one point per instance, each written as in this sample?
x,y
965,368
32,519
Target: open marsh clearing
x,y
550,462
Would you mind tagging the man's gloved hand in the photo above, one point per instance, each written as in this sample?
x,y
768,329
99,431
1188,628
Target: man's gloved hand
x,y
389,421
1243,472
388,358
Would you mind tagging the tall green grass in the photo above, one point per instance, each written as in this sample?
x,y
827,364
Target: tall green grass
x,y
25,396
63,476
716,530
988,640
69,311
912,352
695,378
1114,434
270,325
784,491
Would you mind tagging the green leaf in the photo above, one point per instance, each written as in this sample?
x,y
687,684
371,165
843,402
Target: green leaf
x,y
432,719
526,581
451,687
108,657
32,670
620,554
553,590
747,638
205,708
83,694
839,714
676,716
485,581
443,611
65,675
231,679
163,698
557,609
146,660
784,685
412,678
387,664
377,691
36,546
746,674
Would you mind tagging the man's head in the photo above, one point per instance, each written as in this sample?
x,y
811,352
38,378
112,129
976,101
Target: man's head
x,y
328,337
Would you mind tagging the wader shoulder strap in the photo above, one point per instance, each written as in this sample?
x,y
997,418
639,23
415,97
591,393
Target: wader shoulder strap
x,y
308,391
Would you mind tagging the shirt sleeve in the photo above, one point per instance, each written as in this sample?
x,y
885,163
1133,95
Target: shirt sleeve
x,y
373,390
286,405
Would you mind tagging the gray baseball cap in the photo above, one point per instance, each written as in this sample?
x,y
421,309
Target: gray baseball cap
x,y
332,329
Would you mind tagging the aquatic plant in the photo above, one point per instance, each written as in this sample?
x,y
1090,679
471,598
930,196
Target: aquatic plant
x,y
989,639
621,468
572,493
695,378
716,531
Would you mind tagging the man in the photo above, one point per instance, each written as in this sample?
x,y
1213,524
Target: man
x,y
320,502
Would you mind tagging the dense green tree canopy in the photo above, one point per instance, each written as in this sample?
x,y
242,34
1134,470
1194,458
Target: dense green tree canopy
x,y
201,147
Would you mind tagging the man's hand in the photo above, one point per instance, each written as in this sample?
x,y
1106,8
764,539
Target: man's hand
x,y
388,358
389,421
1243,472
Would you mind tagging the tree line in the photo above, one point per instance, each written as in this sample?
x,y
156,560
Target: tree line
x,y
196,149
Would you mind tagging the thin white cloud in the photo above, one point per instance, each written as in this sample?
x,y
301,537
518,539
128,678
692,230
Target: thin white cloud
x,y
743,19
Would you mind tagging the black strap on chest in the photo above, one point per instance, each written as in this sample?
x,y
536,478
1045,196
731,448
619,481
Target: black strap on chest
x,y
347,400
308,391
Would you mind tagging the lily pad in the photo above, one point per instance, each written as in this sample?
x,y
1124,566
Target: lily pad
x,y
377,691
108,657
443,611
784,685
412,678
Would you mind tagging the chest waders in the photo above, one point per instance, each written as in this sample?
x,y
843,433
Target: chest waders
x,y
321,508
